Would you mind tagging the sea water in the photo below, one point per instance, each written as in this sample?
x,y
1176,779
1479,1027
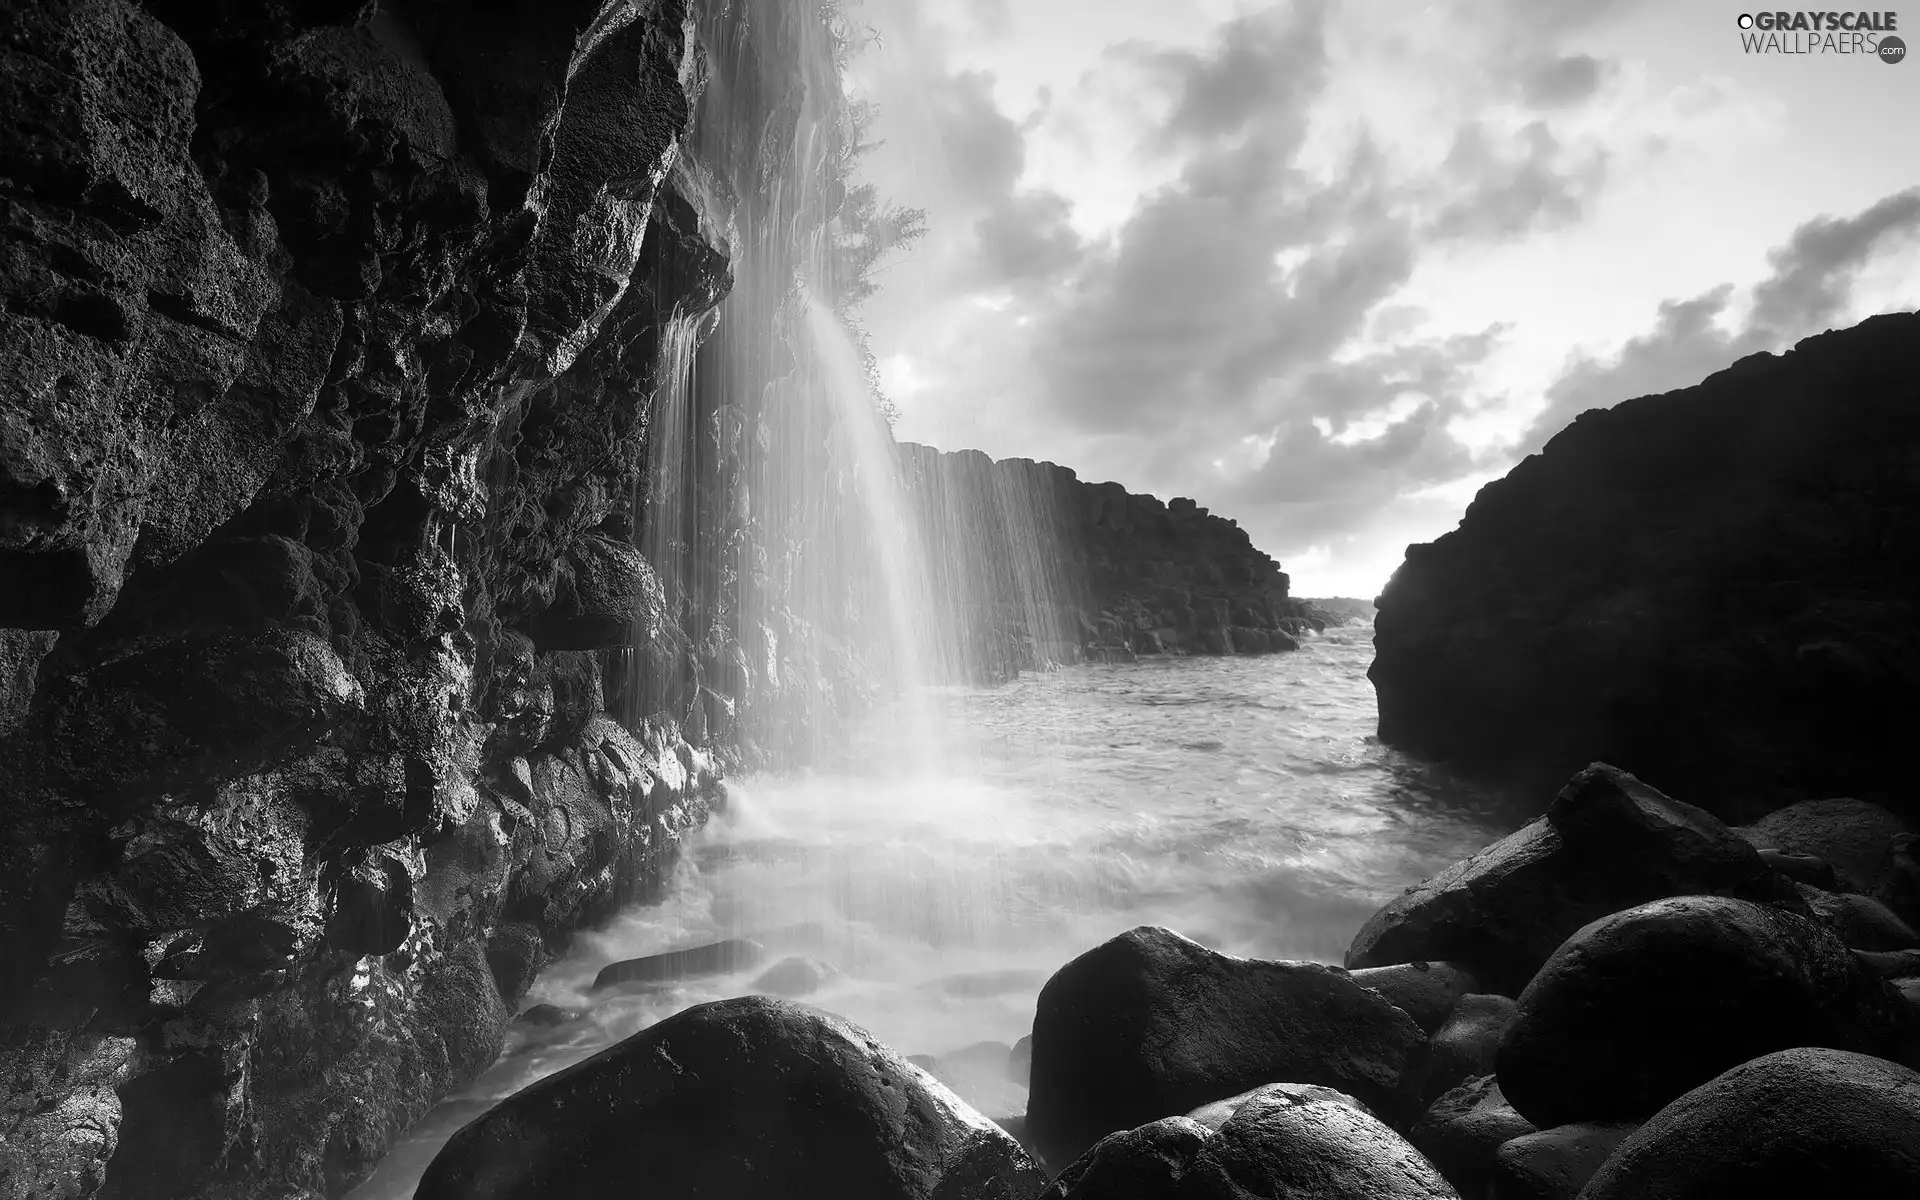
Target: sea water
x,y
1241,801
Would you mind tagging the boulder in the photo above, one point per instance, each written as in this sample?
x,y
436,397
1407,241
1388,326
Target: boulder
x,y
1791,1124
1280,1142
1607,842
740,1098
1465,1046
714,958
1861,922
1553,1164
1462,1132
1854,836
1151,1024
1425,991
1640,1006
1140,1164
548,1016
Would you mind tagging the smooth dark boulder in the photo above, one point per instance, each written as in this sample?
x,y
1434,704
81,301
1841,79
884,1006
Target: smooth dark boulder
x,y
1281,1142
714,958
1425,991
1151,1024
1464,1047
1798,1123
748,1098
1553,1164
1854,836
1861,922
1640,1006
1607,842
1462,1131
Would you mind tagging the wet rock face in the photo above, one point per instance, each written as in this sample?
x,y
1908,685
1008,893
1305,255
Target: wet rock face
x,y
749,1098
1151,1024
321,328
1698,587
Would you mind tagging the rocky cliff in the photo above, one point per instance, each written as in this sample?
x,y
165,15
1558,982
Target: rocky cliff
x,y
1715,589
1062,570
335,689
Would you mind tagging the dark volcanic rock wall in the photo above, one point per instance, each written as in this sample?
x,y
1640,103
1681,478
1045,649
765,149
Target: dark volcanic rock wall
x,y
1717,589
327,332
1042,566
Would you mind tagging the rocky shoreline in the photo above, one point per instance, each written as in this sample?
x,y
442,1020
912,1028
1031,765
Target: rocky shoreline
x,y
1625,998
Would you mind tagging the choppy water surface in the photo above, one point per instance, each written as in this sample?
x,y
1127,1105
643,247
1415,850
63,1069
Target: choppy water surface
x,y
1242,802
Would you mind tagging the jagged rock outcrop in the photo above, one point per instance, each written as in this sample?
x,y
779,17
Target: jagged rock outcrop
x,y
328,331
1060,570
1712,588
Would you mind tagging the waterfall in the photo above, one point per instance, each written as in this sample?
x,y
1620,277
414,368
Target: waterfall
x,y
814,567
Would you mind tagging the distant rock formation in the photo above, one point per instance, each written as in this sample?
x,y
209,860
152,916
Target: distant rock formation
x,y
1347,608
1066,570
1717,589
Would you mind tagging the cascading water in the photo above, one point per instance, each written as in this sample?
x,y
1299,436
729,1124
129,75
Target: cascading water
x,y
903,845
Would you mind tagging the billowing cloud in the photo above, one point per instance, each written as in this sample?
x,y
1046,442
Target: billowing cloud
x,y
1290,258
1504,191
1020,234
1814,272
1559,82
1808,287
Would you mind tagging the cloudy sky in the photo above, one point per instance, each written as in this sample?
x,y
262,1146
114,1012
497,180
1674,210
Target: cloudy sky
x,y
1328,267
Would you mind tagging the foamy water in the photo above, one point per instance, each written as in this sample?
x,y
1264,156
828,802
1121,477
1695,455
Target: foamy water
x,y
1243,802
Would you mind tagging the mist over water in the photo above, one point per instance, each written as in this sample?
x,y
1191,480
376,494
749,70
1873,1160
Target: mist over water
x,y
933,847
1241,801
